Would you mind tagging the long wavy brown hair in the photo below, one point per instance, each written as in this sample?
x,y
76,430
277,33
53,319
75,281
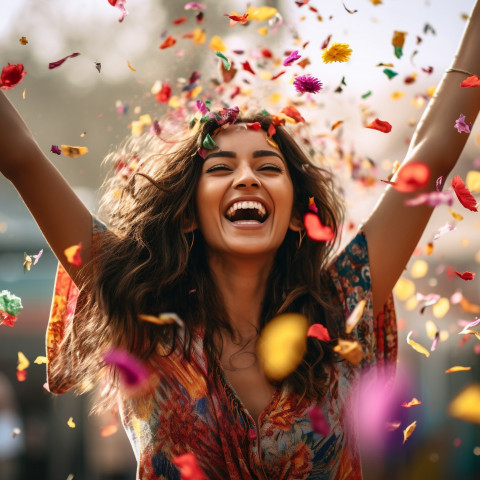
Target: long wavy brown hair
x,y
148,262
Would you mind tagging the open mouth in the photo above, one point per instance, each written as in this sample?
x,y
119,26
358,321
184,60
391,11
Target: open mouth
x,y
247,212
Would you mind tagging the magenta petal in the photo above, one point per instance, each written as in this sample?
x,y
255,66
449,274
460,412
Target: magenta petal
x,y
132,371
319,424
62,60
291,58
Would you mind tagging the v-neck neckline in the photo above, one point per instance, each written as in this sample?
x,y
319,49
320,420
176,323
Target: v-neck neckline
x,y
268,407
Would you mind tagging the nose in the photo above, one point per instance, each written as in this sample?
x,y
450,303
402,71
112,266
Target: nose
x,y
245,178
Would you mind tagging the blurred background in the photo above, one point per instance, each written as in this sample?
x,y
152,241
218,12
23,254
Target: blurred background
x,y
91,100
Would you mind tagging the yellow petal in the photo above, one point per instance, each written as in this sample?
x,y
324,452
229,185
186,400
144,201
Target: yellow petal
x,y
23,362
472,181
196,91
431,329
275,98
130,67
40,359
217,45
409,430
465,405
174,102
397,95
350,351
411,303
263,31
416,346
282,345
199,36
458,369
441,308
404,288
419,269
355,316
455,215
261,13
71,423
163,319
73,152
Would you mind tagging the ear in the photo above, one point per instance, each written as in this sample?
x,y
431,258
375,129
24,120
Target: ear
x,y
296,223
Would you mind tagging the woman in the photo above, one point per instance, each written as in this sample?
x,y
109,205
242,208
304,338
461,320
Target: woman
x,y
212,230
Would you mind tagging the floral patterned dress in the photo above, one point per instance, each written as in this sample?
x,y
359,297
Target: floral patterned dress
x,y
191,411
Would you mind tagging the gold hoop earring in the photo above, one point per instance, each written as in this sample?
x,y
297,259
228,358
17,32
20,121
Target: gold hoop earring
x,y
193,239
301,235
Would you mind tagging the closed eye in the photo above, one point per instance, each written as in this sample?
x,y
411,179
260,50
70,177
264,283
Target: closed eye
x,y
218,167
272,167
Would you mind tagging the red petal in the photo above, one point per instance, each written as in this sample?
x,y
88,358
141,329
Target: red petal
x,y
168,42
278,75
189,468
315,229
21,375
7,319
11,75
254,125
179,21
246,66
466,275
379,125
317,330
472,81
292,112
412,176
463,194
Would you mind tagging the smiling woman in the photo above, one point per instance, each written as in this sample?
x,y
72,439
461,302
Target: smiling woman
x,y
206,274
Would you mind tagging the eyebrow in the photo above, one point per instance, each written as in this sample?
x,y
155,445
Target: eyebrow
x,y
256,154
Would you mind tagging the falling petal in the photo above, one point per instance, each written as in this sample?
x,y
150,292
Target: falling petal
x,y
282,345
317,330
457,369
463,194
73,255
315,230
414,401
409,430
71,423
23,362
11,76
319,423
355,316
132,371
416,346
189,468
62,60
350,351
465,405
73,152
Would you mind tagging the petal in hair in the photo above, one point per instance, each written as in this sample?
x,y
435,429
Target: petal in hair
x,y
317,330
315,230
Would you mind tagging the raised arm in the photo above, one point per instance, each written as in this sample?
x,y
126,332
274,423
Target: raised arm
x,y
393,230
59,213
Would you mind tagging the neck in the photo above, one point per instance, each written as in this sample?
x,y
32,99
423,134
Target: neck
x,y
242,283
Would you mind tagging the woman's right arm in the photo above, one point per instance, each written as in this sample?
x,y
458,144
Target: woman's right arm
x,y
62,217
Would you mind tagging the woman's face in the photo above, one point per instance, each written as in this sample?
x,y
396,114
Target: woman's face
x,y
244,196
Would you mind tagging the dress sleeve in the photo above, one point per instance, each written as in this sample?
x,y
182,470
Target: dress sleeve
x,y
350,274
65,301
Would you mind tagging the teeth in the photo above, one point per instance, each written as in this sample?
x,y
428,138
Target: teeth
x,y
245,206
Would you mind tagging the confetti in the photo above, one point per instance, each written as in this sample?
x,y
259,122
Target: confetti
x,y
217,45
120,4
225,61
109,430
282,345
337,52
470,82
317,330
416,346
389,73
463,194
411,176
167,43
355,316
71,423
461,125
23,362
458,369
408,431
73,255
350,351
465,405
315,230
189,468
291,58
234,18
130,67
414,401
133,373
73,152
318,421
466,275
398,41
56,64
162,319
10,303
11,76
380,125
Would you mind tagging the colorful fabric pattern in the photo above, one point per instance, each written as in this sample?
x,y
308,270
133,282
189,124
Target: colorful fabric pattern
x,y
189,411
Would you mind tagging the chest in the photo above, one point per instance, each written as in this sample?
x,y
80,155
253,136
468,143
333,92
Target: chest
x,y
245,374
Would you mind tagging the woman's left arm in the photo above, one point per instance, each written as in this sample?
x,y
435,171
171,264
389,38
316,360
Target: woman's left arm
x,y
393,229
